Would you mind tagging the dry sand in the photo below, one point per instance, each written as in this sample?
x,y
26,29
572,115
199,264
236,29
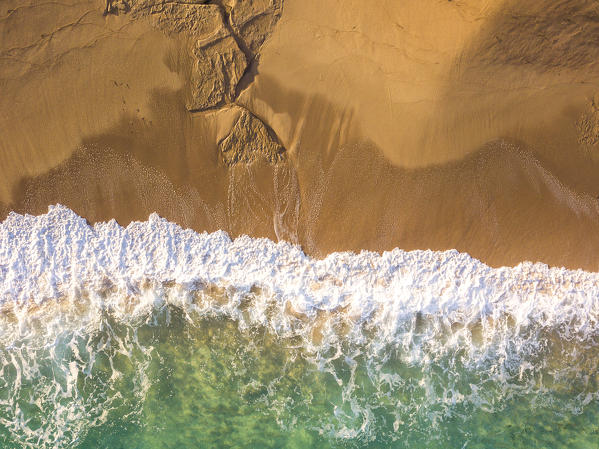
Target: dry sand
x,y
333,124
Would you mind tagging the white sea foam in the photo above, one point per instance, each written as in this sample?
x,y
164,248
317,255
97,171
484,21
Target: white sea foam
x,y
399,318
58,254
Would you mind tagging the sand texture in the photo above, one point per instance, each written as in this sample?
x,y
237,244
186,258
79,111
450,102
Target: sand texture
x,y
466,124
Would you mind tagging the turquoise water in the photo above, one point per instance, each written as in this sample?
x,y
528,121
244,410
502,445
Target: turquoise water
x,y
78,376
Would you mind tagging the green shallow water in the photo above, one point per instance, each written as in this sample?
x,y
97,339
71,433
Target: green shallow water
x,y
168,380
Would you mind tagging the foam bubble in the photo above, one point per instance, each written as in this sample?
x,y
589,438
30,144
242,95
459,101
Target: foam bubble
x,y
58,254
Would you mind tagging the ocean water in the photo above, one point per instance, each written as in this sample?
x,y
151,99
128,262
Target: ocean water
x,y
152,336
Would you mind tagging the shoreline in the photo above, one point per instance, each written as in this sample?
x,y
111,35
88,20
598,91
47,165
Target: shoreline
x,y
59,254
437,125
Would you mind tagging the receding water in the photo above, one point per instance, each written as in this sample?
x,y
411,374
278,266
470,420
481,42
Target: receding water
x,y
176,377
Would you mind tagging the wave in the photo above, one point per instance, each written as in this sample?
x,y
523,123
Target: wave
x,y
58,254
417,337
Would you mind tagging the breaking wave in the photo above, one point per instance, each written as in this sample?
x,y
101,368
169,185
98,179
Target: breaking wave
x,y
151,333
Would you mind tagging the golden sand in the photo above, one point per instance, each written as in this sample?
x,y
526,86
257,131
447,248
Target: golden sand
x,y
433,124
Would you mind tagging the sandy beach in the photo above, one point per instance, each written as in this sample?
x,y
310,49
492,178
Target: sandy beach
x,y
460,124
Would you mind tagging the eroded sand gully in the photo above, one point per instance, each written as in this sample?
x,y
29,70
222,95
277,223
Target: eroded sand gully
x,y
467,125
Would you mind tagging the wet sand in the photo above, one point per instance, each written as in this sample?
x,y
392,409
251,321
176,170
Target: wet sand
x,y
460,124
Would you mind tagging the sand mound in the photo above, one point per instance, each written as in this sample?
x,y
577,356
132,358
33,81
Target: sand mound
x,y
249,140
